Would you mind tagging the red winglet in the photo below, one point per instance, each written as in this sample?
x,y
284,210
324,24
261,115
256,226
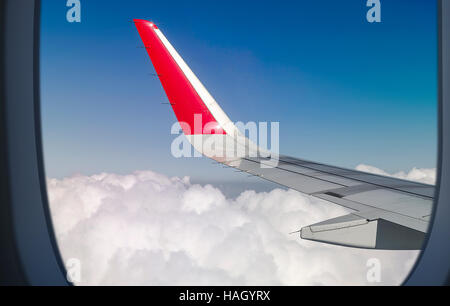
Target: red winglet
x,y
185,101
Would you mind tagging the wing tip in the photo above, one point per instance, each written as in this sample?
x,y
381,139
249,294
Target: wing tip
x,y
147,22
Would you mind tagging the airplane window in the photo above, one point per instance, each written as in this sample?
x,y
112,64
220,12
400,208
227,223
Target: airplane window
x,y
235,143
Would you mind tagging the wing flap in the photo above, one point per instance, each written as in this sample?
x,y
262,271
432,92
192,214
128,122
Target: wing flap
x,y
355,231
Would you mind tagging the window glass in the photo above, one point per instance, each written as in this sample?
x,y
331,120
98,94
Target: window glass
x,y
351,84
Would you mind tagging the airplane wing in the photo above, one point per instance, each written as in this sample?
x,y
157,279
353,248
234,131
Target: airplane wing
x,y
385,212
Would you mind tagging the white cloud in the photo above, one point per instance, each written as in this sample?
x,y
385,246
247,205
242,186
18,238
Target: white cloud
x,y
422,175
146,228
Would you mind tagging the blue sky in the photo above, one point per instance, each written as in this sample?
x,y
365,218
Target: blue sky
x,y
344,91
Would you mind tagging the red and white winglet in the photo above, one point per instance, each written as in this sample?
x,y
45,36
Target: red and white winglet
x,y
203,121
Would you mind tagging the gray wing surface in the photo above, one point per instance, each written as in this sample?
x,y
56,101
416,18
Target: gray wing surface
x,y
386,212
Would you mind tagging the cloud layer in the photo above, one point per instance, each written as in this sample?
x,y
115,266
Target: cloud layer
x,y
148,229
422,175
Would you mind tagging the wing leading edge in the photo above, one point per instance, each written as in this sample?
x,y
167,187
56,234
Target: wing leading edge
x,y
385,212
